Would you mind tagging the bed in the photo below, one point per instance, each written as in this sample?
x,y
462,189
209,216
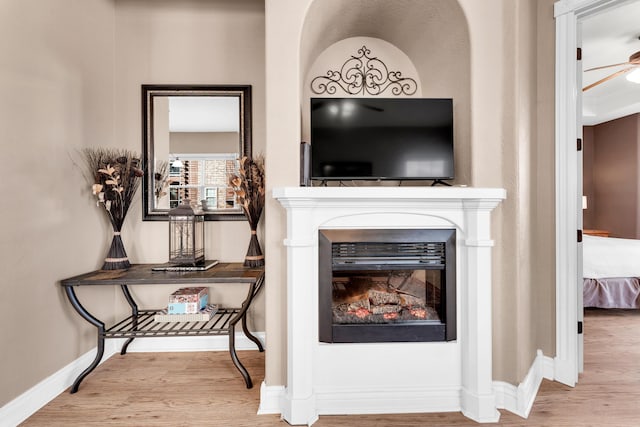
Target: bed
x,y
611,272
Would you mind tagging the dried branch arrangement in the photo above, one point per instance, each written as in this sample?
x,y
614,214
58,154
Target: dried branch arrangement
x,y
248,186
116,177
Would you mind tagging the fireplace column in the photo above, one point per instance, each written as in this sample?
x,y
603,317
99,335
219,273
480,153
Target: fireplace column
x,y
477,397
299,406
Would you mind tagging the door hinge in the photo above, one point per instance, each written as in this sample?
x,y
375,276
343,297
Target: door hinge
x,y
579,236
579,54
579,327
579,144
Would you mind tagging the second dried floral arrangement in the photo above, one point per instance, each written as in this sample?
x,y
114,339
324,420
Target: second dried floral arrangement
x,y
115,175
248,186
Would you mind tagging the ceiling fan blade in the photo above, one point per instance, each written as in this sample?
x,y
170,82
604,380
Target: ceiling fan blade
x,y
609,77
609,66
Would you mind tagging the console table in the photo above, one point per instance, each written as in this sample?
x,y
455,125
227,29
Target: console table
x,y
141,322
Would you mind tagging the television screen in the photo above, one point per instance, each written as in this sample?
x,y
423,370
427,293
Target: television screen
x,y
381,138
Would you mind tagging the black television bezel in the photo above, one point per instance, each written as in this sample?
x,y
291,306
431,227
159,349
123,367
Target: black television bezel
x,y
379,178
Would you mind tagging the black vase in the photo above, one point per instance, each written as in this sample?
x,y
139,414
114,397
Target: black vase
x,y
117,257
254,257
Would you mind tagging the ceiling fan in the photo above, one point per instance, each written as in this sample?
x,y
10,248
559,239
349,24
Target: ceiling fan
x,y
634,63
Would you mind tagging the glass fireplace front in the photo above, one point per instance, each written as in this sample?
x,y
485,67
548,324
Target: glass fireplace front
x,y
387,285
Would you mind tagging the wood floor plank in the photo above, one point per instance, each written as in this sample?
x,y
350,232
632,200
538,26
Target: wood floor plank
x,y
205,389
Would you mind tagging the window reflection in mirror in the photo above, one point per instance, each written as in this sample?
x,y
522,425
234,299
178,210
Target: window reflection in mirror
x,y
193,137
202,178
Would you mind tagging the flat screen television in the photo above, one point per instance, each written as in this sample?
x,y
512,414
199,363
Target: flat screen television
x,y
381,139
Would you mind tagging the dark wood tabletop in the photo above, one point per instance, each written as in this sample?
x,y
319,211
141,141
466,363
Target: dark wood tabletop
x,y
141,274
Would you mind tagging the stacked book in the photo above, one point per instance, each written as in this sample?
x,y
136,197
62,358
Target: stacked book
x,y
204,315
188,305
188,300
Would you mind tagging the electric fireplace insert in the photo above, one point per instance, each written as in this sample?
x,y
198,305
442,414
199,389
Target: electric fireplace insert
x,y
387,285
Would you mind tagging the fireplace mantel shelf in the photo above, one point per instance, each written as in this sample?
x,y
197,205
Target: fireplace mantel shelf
x,y
395,195
334,378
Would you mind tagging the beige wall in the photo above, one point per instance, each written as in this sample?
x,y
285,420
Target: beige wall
x,y
524,291
70,76
524,310
543,289
187,42
56,86
510,112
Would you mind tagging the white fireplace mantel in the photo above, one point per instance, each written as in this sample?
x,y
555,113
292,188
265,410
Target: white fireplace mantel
x,y
324,379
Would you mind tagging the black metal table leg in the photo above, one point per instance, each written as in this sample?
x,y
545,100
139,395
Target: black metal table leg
x,y
95,322
234,356
134,315
253,290
250,335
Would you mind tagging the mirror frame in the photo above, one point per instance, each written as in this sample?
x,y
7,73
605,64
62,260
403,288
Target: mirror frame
x,y
149,91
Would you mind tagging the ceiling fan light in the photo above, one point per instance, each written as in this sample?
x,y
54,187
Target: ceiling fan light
x,y
634,76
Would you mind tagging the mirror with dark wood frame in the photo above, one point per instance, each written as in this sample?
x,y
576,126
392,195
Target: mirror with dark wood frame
x,y
192,139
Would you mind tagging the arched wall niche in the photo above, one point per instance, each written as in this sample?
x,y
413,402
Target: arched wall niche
x,y
433,34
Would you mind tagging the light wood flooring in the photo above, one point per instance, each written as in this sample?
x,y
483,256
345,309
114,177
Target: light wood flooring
x,y
204,389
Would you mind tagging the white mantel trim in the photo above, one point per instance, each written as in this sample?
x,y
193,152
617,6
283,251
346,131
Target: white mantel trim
x,y
466,209
487,198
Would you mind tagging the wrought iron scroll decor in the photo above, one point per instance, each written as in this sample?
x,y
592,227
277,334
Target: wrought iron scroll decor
x,y
363,74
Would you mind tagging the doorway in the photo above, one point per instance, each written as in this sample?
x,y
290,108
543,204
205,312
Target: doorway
x,y
568,167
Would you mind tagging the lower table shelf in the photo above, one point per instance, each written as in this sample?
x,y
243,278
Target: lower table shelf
x,y
144,325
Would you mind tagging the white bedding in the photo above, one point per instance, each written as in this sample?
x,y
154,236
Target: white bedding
x,y
604,257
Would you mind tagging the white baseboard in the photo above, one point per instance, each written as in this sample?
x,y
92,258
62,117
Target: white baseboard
x,y
180,344
271,398
548,367
25,405
519,399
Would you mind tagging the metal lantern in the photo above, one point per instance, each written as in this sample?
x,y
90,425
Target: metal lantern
x,y
186,236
